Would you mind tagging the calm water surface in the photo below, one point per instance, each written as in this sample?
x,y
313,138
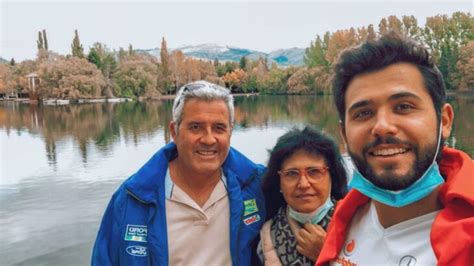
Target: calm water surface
x,y
61,164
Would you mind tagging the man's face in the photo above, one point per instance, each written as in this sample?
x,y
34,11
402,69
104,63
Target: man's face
x,y
391,127
203,138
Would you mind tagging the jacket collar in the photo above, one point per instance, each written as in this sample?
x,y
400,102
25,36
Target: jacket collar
x,y
149,179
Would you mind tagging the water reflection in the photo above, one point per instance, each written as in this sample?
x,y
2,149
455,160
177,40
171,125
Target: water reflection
x,y
60,165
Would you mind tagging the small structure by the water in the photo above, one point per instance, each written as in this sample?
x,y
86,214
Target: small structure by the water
x,y
33,83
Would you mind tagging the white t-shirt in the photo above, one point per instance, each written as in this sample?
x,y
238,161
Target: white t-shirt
x,y
405,243
197,235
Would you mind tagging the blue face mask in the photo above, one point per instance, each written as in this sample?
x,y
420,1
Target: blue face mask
x,y
313,217
421,188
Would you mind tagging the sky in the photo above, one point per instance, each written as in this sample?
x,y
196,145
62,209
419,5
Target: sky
x,y
263,26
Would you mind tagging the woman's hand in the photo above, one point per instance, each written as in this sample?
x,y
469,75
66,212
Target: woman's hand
x,y
309,240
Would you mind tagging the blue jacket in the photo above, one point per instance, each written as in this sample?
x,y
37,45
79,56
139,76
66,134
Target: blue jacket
x,y
133,230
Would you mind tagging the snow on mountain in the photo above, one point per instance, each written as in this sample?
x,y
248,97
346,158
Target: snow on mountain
x,y
209,47
211,51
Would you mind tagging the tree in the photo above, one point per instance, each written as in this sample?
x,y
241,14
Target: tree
x,y
70,78
340,40
12,62
315,54
103,58
5,77
410,27
18,80
298,82
40,42
105,61
76,46
137,76
371,32
366,33
464,78
130,50
94,58
165,67
243,62
383,26
178,75
445,35
394,24
235,79
45,40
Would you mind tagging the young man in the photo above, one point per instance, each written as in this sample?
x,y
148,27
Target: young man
x,y
197,201
412,200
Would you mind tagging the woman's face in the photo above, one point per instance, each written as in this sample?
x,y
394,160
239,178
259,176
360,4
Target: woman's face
x,y
305,194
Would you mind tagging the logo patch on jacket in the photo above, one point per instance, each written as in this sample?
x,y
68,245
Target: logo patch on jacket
x,y
252,219
250,207
136,233
137,251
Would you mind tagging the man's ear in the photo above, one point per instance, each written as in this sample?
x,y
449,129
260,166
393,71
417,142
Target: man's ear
x,y
447,117
173,129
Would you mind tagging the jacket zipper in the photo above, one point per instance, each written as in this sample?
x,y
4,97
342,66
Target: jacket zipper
x,y
148,222
254,175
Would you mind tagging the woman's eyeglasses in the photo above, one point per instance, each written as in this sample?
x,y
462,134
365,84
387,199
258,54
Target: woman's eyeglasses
x,y
313,174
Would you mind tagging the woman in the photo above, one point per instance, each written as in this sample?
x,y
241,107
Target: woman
x,y
305,176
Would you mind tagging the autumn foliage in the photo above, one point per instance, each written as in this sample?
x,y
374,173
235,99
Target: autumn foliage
x,y
130,73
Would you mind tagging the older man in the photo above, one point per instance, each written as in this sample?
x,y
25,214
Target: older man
x,y
412,200
197,201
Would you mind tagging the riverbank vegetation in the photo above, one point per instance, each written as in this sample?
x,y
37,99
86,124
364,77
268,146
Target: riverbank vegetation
x,y
106,73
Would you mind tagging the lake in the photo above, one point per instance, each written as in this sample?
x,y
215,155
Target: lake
x,y
61,164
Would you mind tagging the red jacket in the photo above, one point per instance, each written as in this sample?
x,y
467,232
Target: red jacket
x,y
452,233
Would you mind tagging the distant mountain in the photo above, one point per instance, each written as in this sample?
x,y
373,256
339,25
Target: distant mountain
x,y
286,57
209,51
222,53
3,61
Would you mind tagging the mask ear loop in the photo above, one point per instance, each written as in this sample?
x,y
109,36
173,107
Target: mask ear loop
x,y
438,142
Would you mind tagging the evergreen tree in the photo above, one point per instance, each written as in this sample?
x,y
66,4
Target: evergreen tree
x,y
371,32
100,56
165,65
243,62
76,46
122,54
39,42
130,49
164,56
45,40
94,58
12,62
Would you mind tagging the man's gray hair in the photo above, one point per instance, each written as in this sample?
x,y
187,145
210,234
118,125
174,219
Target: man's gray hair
x,y
205,91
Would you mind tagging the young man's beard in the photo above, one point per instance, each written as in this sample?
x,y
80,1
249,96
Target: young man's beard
x,y
388,179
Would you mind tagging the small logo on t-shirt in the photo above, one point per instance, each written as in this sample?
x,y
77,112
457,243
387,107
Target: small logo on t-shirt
x,y
250,207
137,251
136,233
407,260
252,219
349,248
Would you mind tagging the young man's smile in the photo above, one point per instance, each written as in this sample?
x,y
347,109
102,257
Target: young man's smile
x,y
391,122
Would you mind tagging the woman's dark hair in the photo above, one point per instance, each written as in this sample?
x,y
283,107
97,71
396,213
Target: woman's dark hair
x,y
373,55
314,142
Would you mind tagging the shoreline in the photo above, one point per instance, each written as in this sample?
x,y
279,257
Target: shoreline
x,y
57,101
